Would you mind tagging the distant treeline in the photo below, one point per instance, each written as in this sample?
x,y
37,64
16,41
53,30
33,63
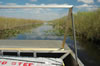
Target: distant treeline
x,y
9,23
87,25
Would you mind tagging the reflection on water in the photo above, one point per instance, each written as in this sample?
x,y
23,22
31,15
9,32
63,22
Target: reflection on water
x,y
42,32
87,52
14,32
7,33
92,51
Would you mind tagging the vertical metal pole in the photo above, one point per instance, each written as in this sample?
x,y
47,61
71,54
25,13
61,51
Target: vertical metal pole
x,y
74,36
35,54
18,53
65,34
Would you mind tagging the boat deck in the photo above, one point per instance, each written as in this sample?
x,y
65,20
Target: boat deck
x,y
31,44
38,48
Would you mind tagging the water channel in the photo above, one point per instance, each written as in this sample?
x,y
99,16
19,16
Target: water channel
x,y
87,52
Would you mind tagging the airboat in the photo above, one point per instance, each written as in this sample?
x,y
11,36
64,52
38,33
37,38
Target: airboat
x,y
39,52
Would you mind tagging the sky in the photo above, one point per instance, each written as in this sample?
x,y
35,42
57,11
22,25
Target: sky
x,y
46,14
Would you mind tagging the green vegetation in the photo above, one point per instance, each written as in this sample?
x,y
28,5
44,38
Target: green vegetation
x,y
87,25
9,23
59,25
10,27
7,33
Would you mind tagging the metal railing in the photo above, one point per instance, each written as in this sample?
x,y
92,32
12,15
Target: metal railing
x,y
70,7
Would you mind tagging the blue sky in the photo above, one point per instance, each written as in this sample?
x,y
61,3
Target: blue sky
x,y
46,14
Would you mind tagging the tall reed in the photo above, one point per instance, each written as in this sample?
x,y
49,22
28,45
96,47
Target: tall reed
x,y
87,25
8,23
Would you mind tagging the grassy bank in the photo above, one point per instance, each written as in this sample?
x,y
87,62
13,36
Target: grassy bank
x,y
10,27
87,25
9,23
8,33
59,25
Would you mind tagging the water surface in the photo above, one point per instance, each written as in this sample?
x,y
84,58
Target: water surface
x,y
88,53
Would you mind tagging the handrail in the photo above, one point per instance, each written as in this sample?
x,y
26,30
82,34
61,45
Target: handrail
x,y
51,6
36,6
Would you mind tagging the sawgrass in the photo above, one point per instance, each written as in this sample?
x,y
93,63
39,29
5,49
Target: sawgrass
x,y
10,27
87,25
9,23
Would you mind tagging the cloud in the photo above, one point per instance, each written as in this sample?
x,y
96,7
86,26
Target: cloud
x,y
87,7
54,4
45,4
86,1
92,9
34,13
98,0
33,0
11,4
28,4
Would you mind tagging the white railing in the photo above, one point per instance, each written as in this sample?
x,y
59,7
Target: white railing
x,y
36,6
50,6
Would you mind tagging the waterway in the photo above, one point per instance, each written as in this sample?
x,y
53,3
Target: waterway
x,y
87,52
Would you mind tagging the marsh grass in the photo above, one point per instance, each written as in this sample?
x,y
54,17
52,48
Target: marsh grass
x,y
10,27
87,25
9,23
